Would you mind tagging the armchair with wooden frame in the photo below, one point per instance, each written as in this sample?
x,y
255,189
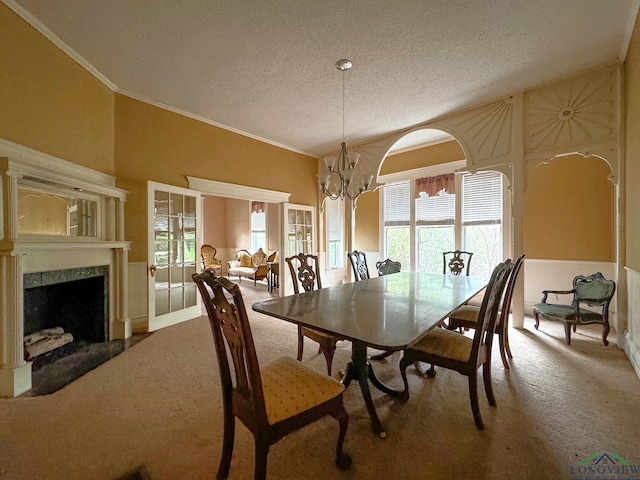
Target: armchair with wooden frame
x,y
273,400
209,260
304,269
588,290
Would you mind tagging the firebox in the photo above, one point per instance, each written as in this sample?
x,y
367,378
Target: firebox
x,y
75,300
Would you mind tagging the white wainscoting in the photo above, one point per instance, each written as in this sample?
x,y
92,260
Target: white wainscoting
x,y
138,300
632,335
540,274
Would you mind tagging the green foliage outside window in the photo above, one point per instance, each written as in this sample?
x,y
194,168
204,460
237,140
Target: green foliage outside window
x,y
398,245
432,241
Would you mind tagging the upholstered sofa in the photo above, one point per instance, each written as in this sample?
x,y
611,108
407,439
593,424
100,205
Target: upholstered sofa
x,y
249,266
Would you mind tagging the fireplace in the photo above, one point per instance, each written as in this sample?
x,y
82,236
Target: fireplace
x,y
76,300
63,256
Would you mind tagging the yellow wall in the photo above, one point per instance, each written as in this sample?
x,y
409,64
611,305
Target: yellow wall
x,y
367,234
155,144
423,157
273,227
238,228
214,215
568,211
50,103
632,103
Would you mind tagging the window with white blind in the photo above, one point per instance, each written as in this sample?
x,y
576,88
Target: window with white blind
x,y
482,219
435,230
335,233
397,222
418,230
258,230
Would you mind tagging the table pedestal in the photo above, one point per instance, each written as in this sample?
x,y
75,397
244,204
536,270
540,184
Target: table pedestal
x,y
360,369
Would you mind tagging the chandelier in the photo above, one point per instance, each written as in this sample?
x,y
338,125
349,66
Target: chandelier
x,y
336,183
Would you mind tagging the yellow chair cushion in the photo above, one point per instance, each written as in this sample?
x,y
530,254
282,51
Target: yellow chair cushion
x,y
445,343
245,261
467,313
290,388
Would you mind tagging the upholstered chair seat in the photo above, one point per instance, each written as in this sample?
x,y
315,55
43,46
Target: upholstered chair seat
x,y
446,343
290,387
467,313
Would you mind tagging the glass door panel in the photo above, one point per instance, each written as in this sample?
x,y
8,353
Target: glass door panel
x,y
299,232
174,220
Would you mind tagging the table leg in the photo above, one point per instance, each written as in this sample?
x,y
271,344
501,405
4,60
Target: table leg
x,y
360,369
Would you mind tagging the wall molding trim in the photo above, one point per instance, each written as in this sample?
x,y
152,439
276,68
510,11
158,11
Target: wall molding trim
x,y
232,190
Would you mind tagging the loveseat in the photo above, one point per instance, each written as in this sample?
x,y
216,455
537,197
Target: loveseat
x,y
249,266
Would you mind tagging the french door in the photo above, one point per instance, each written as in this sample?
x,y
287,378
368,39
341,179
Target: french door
x,y
173,224
299,236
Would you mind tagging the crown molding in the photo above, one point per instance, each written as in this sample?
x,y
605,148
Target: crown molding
x,y
232,190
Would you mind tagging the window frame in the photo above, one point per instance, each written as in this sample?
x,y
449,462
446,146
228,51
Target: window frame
x,y
256,231
451,167
335,207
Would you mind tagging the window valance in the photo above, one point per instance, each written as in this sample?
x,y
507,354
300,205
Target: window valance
x,y
433,185
257,207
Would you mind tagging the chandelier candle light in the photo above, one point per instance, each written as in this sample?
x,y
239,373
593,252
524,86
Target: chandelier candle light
x,y
344,165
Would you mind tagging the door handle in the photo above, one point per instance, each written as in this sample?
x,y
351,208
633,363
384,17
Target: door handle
x,y
152,270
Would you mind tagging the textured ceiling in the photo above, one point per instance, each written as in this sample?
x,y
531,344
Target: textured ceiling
x,y
266,68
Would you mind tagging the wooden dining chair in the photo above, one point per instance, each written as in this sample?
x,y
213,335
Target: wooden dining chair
x,y
456,262
387,266
305,271
449,349
466,316
359,265
273,401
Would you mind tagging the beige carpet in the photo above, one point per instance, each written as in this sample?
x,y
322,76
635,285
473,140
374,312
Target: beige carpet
x,y
158,406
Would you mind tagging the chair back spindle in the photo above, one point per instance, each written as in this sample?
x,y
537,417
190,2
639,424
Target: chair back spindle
x,y
359,265
305,271
456,262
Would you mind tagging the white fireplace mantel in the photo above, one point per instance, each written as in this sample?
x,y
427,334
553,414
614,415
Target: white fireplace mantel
x,y
22,254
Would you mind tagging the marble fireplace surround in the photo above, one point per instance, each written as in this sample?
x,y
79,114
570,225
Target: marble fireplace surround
x,y
20,255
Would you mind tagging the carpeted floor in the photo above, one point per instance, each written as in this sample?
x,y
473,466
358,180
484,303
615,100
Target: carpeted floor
x,y
154,412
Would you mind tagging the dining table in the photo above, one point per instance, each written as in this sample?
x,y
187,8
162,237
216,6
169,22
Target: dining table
x,y
391,312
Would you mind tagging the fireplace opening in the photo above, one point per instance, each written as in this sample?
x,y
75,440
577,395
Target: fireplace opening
x,y
64,309
78,307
